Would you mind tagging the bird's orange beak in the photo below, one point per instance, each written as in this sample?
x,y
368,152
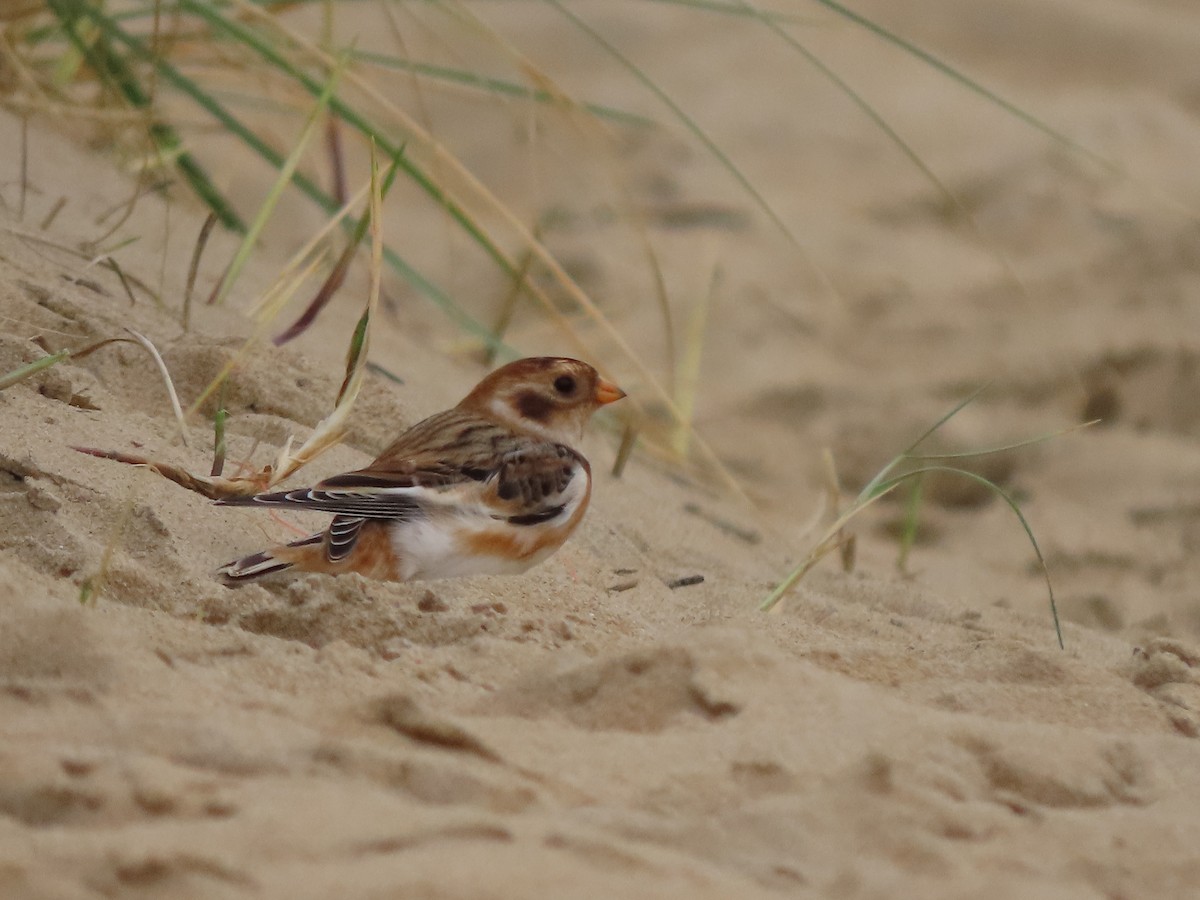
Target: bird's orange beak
x,y
607,392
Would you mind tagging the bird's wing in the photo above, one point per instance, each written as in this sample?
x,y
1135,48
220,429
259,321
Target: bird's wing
x,y
367,503
341,536
453,459
537,483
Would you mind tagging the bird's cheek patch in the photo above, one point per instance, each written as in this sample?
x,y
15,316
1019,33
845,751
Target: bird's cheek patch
x,y
534,406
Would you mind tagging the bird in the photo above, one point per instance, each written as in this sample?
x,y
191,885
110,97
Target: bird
x,y
493,486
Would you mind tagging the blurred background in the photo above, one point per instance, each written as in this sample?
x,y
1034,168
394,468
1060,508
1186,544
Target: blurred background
x,y
794,232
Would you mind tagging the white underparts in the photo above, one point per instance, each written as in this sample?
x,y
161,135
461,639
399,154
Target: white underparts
x,y
438,545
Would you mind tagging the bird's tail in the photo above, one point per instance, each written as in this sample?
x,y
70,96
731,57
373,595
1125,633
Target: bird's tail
x,y
267,562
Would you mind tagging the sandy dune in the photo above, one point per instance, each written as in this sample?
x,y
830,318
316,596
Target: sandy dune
x,y
586,730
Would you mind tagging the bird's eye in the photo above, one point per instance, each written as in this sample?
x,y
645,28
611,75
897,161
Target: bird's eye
x,y
564,384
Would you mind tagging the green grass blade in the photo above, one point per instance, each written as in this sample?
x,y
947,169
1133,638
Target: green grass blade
x,y
986,451
354,353
231,123
856,98
971,84
337,274
885,487
219,419
18,375
1012,504
951,198
687,376
479,82
680,115
954,411
250,38
967,82
206,102
356,356
739,9
869,490
912,512
553,266
790,581
115,70
827,543
267,208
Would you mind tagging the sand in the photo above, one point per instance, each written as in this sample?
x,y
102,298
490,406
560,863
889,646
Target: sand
x,y
588,730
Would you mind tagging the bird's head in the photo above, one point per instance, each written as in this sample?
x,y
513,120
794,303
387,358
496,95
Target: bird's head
x,y
552,396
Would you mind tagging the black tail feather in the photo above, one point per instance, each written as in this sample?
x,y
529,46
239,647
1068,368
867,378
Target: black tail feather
x,y
258,565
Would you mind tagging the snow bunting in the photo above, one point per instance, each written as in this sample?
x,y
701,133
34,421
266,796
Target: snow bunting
x,y
493,486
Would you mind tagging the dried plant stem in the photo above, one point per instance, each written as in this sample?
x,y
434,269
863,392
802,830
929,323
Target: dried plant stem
x,y
166,377
194,267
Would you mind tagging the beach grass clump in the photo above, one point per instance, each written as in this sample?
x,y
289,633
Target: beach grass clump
x,y
908,467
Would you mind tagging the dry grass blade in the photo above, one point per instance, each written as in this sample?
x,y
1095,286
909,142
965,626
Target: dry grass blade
x,y
219,418
278,296
833,493
282,180
194,266
116,269
94,584
337,161
329,288
687,379
482,194
508,306
166,377
24,167
52,214
212,488
94,34
267,307
329,430
337,275
630,207
629,436
38,365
